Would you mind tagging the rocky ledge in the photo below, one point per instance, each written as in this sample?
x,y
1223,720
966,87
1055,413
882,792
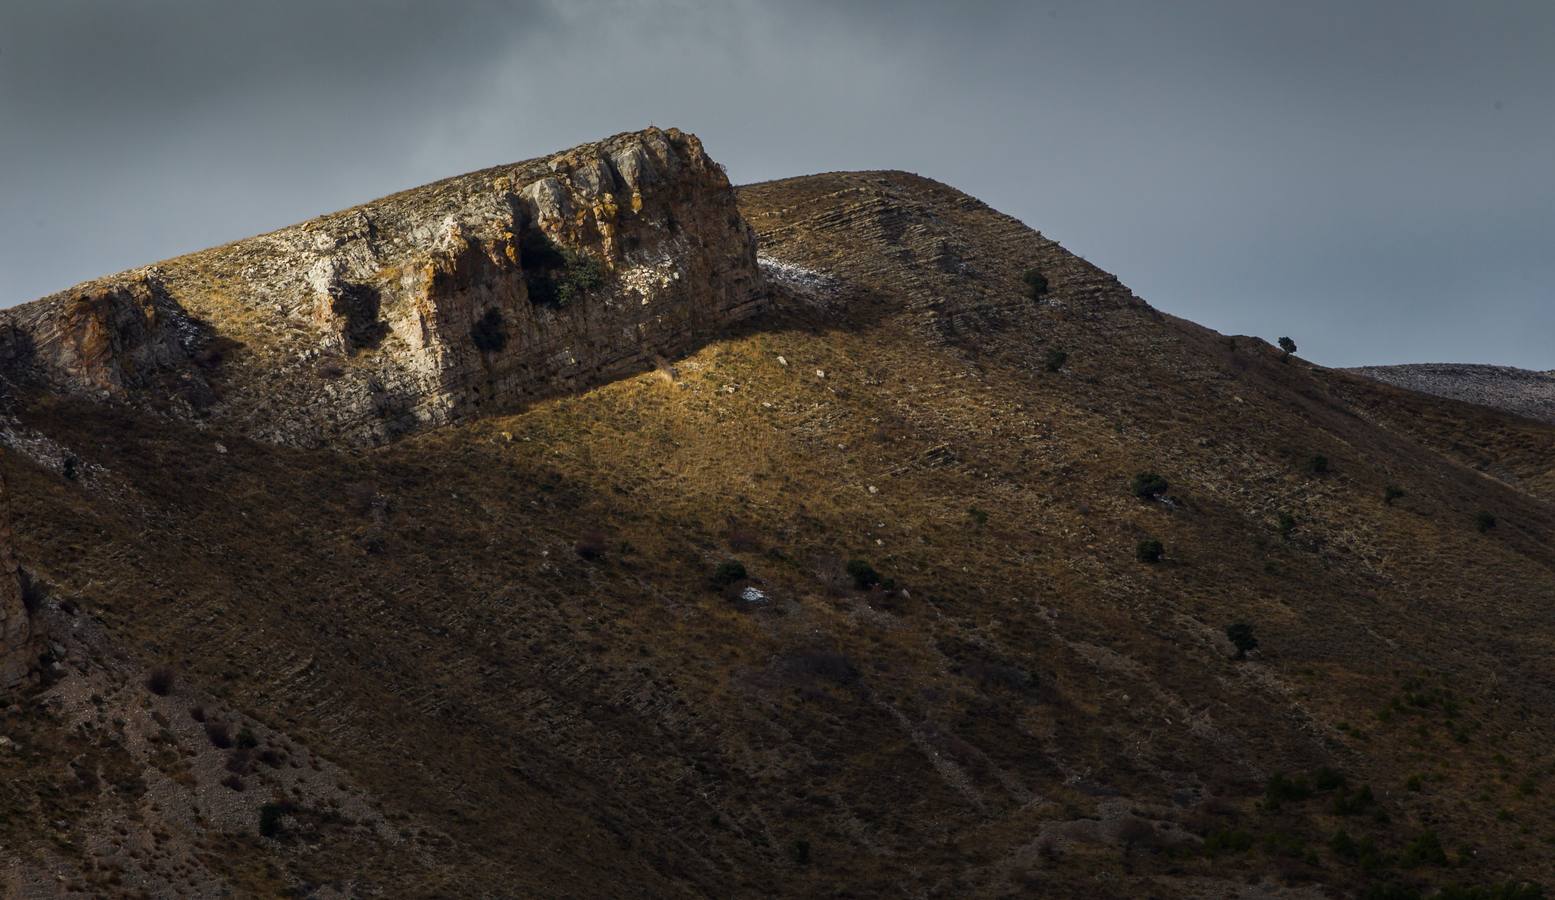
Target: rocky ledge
x,y
468,295
1521,391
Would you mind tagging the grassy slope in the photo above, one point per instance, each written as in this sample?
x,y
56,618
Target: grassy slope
x,y
550,724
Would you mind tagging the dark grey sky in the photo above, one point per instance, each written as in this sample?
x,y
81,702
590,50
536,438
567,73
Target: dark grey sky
x,y
1376,179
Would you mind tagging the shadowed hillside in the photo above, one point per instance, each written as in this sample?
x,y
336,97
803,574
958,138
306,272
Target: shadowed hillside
x,y
855,594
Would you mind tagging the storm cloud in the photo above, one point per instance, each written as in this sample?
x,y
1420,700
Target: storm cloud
x,y
1376,179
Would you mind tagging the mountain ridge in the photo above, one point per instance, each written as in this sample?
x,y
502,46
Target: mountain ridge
x,y
517,657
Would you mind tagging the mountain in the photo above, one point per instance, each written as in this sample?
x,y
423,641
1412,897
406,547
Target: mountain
x,y
591,527
1521,391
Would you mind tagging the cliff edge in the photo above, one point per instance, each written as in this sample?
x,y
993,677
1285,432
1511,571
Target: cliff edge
x,y
474,293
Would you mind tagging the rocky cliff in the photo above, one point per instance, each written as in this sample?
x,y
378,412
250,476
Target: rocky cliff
x,y
474,293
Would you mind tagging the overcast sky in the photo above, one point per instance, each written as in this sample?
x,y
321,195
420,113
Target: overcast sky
x,y
1375,179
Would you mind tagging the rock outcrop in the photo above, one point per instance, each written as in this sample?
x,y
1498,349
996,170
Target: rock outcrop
x,y
1521,391
472,294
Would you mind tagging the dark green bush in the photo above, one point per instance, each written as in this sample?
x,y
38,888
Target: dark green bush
x,y
161,681
1287,524
1390,493
1241,636
728,572
1282,789
1055,360
1484,521
1035,282
271,816
556,276
1287,345
863,574
1149,551
1327,779
1424,850
1318,464
1226,841
1148,485
1354,803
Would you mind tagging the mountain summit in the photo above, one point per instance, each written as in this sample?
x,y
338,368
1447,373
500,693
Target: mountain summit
x,y
591,527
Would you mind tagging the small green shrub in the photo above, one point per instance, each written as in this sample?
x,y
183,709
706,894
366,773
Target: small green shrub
x,y
863,574
1354,803
1287,524
1055,360
1036,284
1148,485
271,818
1282,789
160,681
1287,345
1390,493
1318,464
1241,636
1149,551
1484,521
556,276
1361,851
1227,840
800,851
1424,850
978,516
728,572
1328,779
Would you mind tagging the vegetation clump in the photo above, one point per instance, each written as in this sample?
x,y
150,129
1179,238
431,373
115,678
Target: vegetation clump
x,y
1242,638
160,681
1148,486
1035,282
1390,493
272,818
1055,360
1424,850
1282,789
1318,464
1484,522
1288,346
557,276
1149,551
863,574
728,572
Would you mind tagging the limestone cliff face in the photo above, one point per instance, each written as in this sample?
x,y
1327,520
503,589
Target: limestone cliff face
x,y
470,294
16,637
